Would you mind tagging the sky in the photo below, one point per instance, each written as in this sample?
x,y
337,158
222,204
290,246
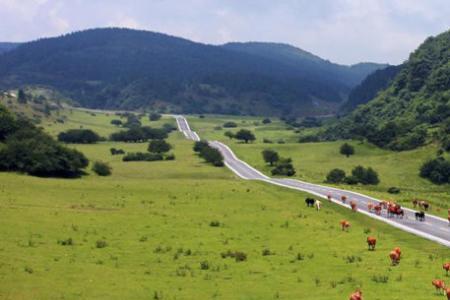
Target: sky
x,y
342,31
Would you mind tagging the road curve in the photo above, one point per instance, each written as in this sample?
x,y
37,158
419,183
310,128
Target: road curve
x,y
434,228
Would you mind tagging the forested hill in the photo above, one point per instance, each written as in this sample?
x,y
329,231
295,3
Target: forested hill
x,y
309,63
5,47
370,87
416,101
129,69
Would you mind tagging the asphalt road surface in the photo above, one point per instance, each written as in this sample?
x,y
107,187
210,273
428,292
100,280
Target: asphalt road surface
x,y
433,228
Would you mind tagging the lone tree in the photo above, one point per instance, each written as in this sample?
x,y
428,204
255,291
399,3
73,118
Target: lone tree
x,y
270,156
347,149
229,134
245,135
159,146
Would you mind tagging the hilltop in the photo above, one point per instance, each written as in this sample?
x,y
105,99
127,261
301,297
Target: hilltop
x,y
130,69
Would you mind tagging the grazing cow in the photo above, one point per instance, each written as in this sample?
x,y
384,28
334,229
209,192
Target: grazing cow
x,y
384,204
415,202
424,205
343,198
371,242
420,216
317,204
353,206
370,206
377,209
310,202
395,258
345,225
398,250
395,210
357,295
446,267
439,285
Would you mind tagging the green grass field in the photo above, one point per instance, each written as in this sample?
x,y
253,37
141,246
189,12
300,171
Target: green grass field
x,y
155,218
313,161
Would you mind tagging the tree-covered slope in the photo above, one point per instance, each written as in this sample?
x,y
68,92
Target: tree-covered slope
x,y
309,63
5,47
370,87
417,100
121,68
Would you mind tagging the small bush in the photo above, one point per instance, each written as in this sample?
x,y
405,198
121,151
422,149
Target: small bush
x,y
267,252
101,168
229,124
266,121
267,141
159,146
336,176
393,190
204,265
140,156
115,151
67,242
380,278
79,136
214,224
309,139
237,255
101,244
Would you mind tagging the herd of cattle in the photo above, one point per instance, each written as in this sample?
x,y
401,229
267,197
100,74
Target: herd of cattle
x,y
392,210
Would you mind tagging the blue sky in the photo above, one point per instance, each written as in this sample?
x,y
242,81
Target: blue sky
x,y
343,31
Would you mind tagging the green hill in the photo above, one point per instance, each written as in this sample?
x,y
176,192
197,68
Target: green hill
x,y
129,69
415,106
370,87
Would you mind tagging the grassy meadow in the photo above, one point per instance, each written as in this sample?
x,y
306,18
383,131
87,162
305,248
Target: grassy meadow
x,y
157,230
313,161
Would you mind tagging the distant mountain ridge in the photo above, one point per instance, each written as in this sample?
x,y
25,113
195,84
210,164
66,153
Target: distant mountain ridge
x,y
129,69
5,46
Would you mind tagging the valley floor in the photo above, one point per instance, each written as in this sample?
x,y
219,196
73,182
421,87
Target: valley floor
x,y
158,220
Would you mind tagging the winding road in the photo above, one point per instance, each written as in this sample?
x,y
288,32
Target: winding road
x,y
433,228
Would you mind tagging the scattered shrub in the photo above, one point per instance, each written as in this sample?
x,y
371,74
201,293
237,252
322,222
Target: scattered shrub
x,y
229,134
204,265
229,124
159,146
79,136
237,255
284,167
101,168
309,139
140,156
67,242
208,153
393,190
116,122
336,176
266,121
214,224
139,134
101,244
170,156
115,151
436,170
267,141
365,176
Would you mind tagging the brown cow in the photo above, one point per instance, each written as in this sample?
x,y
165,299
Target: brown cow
x,y
357,295
446,267
439,285
371,242
370,206
344,225
395,256
329,197
353,206
343,198
377,209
